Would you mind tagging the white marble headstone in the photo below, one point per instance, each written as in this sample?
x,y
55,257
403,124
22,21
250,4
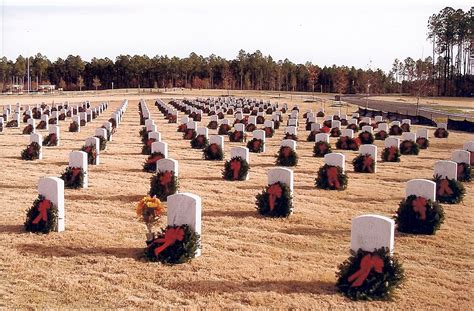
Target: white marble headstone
x,y
335,159
167,164
161,147
240,127
242,152
94,141
423,132
421,188
446,169
281,174
392,141
79,159
347,132
409,136
288,143
52,188
461,156
371,232
37,138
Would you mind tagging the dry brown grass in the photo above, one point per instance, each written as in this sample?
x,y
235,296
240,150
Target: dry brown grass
x,y
247,262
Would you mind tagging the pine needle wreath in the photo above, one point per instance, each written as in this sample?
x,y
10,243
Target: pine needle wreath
x,y
102,142
291,136
269,111
327,123
422,142
41,125
180,251
1,127
28,129
331,178
91,154
52,121
395,130
163,184
408,147
312,135
260,120
377,285
364,163
212,125
275,201
73,127
73,177
12,123
26,118
146,149
320,114
366,138
35,216
236,136
82,122
464,172
143,135
31,152
344,122
441,133
362,124
353,127
335,132
255,145
113,122
269,132
347,143
391,154
308,125
449,191
189,134
276,124
182,128
50,140
150,163
62,117
287,157
405,127
321,148
213,152
250,127
224,129
381,135
235,169
199,142
419,216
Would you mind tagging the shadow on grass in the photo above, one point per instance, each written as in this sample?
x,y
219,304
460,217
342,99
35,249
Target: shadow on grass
x,y
231,213
72,251
12,229
118,198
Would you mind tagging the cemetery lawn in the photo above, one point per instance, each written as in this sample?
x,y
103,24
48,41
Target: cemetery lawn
x,y
247,262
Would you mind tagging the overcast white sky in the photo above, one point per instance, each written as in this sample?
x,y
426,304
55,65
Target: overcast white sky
x,y
341,32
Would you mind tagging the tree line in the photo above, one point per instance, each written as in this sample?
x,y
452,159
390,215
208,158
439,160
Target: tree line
x,y
446,72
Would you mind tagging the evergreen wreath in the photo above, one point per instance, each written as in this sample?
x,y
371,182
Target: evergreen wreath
x,y
189,134
113,122
364,163
344,122
276,124
73,177
353,127
385,274
163,184
42,217
366,138
419,216
335,132
464,172
73,127
212,125
320,114
327,123
291,136
26,118
28,129
250,127
82,122
405,127
362,124
260,120
391,154
308,125
174,245
287,157
235,169
321,148
146,149
255,145
150,163
269,132
441,133
347,143
224,129
143,135
213,152
408,147
312,135
236,136
62,117
102,142
275,201
381,135
331,178
449,191
41,125
52,121
423,142
199,142
182,128
31,152
12,123
395,130
1,127
50,140
91,154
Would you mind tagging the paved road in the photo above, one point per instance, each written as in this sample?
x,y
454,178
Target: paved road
x,y
403,108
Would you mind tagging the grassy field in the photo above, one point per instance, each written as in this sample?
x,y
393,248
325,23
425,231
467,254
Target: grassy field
x,y
247,262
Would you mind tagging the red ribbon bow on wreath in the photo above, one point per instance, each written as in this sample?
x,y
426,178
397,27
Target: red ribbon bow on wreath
x,y
256,144
213,148
43,207
200,139
88,149
237,135
392,151
165,179
285,152
333,178
154,159
189,134
268,131
75,172
322,148
274,192
343,141
235,166
443,188
367,164
171,236
30,150
325,129
367,263
150,141
419,206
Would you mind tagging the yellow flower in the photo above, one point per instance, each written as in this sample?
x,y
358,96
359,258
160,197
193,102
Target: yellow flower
x,y
149,209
